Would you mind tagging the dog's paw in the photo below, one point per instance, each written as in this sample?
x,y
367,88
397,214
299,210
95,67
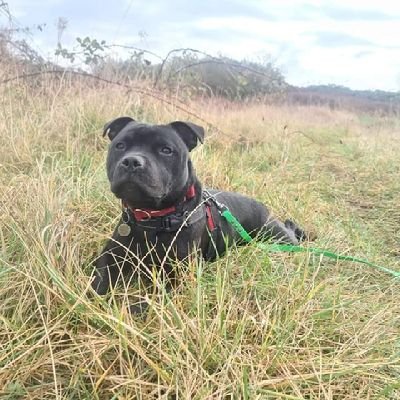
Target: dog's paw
x,y
140,308
300,234
100,284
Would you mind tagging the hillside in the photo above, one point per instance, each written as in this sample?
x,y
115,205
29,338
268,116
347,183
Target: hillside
x,y
341,97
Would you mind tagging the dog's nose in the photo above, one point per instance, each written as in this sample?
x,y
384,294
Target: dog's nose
x,y
133,162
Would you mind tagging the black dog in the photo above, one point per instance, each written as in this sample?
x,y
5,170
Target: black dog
x,y
166,214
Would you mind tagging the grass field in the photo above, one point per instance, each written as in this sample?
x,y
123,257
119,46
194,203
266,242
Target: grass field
x,y
251,325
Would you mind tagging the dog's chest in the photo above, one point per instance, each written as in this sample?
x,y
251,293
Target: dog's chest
x,y
152,247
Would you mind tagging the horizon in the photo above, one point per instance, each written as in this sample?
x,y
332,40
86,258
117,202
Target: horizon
x,y
311,42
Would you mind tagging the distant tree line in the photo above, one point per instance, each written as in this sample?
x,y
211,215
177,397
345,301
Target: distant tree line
x,y
188,72
340,97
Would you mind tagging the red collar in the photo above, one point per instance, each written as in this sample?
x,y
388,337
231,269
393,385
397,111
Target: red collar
x,y
143,214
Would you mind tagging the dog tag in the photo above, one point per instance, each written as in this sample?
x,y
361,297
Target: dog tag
x,y
124,230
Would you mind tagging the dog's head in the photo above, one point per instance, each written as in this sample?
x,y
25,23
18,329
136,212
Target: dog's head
x,y
148,166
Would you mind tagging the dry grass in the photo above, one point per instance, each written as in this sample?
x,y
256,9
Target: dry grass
x,y
249,326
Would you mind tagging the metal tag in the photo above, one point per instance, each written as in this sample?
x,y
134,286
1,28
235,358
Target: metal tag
x,y
124,230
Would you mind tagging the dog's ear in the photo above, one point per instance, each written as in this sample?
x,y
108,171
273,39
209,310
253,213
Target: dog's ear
x,y
115,126
189,133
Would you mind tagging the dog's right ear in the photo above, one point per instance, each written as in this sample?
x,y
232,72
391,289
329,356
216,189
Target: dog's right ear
x,y
115,126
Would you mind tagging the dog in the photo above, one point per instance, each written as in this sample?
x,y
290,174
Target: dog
x,y
167,216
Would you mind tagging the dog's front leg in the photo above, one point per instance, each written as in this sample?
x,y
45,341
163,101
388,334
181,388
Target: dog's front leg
x,y
114,262
106,273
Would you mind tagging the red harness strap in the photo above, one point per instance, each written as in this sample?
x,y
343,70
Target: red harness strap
x,y
210,219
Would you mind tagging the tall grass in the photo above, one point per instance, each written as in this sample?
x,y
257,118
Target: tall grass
x,y
248,326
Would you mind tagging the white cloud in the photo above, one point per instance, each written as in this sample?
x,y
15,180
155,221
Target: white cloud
x,y
355,43
315,63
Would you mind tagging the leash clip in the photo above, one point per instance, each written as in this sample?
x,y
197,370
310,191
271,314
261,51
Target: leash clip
x,y
220,207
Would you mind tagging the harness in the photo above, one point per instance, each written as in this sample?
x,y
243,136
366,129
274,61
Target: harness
x,y
173,218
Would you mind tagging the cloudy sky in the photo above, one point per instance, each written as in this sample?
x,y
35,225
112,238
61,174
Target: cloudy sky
x,y
345,42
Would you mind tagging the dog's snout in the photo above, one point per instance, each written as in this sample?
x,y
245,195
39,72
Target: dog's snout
x,y
133,162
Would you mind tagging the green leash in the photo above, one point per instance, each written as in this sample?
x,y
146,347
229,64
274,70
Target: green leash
x,y
279,248
298,249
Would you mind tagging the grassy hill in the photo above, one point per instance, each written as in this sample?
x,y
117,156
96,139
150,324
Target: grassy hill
x,y
251,325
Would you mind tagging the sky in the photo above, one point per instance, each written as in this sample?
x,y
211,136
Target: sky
x,y
342,42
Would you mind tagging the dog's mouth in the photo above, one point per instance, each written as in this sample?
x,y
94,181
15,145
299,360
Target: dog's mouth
x,y
138,194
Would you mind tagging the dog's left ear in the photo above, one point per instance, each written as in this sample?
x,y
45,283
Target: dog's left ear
x,y
189,133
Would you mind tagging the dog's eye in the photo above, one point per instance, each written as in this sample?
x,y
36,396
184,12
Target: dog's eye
x,y
120,146
166,150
